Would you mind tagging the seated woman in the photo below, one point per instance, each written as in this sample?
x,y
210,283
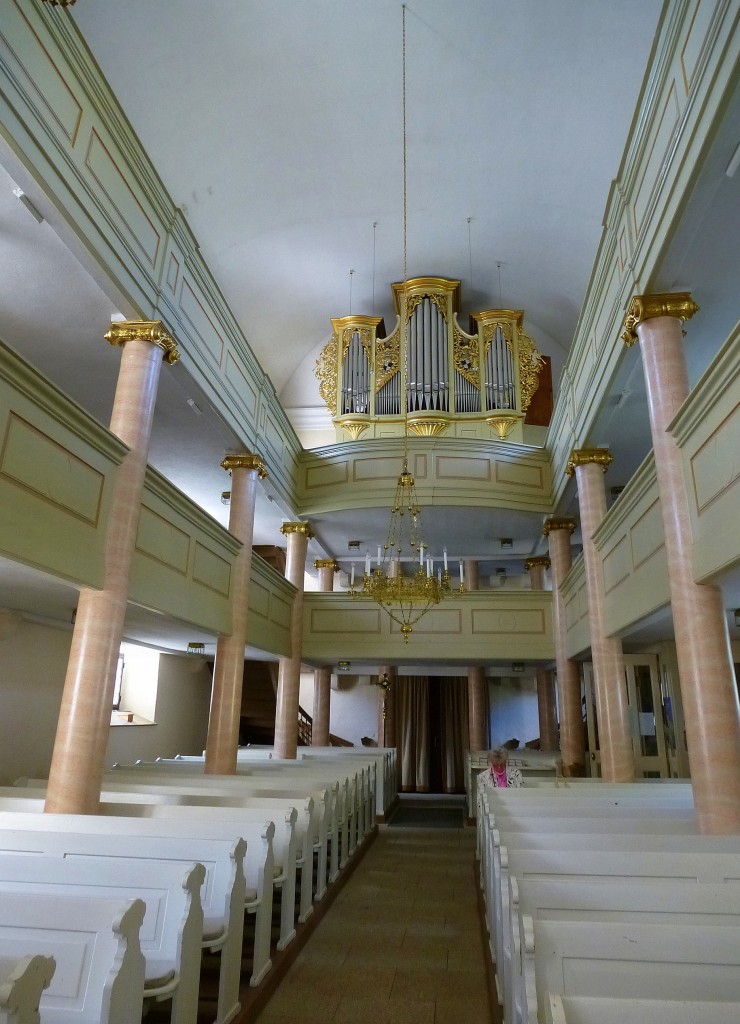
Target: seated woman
x,y
500,774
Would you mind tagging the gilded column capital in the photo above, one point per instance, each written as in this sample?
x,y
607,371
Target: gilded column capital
x,y
645,307
566,523
585,456
244,460
326,563
153,331
536,561
302,528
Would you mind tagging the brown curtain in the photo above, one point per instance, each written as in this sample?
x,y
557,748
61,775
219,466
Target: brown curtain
x,y
412,732
454,713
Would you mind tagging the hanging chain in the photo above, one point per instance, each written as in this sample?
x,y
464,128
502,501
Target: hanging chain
x,y
404,322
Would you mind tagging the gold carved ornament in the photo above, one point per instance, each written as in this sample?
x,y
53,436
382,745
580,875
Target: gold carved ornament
x,y
565,523
152,331
245,460
585,456
490,329
326,372
366,338
300,528
645,307
387,359
439,300
530,364
465,356
326,563
536,561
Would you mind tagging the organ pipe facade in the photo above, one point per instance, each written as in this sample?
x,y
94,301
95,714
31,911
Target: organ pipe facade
x,y
476,384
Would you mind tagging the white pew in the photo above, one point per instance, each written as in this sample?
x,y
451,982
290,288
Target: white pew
x,y
312,826
655,901
170,937
22,981
623,959
99,977
594,1010
220,849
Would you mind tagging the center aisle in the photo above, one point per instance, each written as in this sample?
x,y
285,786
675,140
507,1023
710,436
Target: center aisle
x,y
402,942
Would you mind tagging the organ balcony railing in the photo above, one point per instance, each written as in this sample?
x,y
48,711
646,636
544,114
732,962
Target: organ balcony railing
x,y
476,385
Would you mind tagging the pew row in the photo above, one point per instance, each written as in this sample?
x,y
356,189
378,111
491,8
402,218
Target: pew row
x,y
617,960
99,977
22,982
238,859
171,933
595,1010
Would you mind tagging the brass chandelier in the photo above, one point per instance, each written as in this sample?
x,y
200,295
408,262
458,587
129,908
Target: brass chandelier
x,y
405,597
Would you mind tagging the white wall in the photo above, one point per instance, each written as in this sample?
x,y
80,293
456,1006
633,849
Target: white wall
x,y
33,663
183,697
354,706
513,710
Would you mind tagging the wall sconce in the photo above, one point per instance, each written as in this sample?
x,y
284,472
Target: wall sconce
x,y
343,666
501,576
506,543
196,648
225,497
353,545
517,666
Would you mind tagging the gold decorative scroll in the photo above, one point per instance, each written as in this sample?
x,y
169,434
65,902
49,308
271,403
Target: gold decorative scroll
x,y
465,356
326,371
326,563
245,460
424,427
503,423
536,561
366,340
304,528
565,523
530,364
353,427
645,307
387,359
439,300
490,329
153,331
585,456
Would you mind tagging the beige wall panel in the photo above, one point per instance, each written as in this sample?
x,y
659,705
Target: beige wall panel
x,y
664,132
273,438
280,611
509,620
701,17
103,167
646,534
616,564
196,314
519,474
371,469
211,570
50,471
45,80
240,381
349,619
585,372
449,469
259,600
162,541
438,620
715,467
173,273
573,610
329,474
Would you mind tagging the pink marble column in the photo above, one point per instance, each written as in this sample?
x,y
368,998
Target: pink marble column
x,y
612,709
78,759
289,672
477,704
322,676
470,575
572,731
703,651
228,672
477,732
546,707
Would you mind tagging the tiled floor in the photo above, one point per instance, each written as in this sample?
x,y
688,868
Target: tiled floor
x,y
400,945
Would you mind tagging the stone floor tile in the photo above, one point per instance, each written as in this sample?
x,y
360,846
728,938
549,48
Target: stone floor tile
x,y
353,1010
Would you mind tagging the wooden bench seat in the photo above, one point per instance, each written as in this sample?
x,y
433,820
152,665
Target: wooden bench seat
x,y
595,1010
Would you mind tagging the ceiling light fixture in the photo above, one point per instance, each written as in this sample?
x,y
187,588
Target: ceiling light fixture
x,y
405,598
225,497
507,544
196,648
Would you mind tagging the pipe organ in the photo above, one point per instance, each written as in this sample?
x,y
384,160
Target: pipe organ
x,y
476,384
